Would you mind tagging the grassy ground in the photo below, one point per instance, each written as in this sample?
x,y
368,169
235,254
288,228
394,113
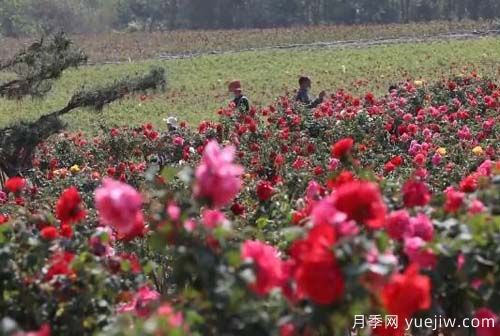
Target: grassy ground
x,y
197,87
137,46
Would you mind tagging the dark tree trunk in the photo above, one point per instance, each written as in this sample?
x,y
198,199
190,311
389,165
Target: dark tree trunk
x,y
405,10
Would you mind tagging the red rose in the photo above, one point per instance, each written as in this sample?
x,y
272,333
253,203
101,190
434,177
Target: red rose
x,y
419,159
137,229
342,147
415,193
318,170
398,224
20,201
68,207
454,200
407,293
344,177
15,184
49,233
469,184
316,272
238,209
493,329
397,160
43,331
3,218
297,217
133,261
279,160
60,264
66,230
287,329
264,190
389,167
320,280
362,202
111,171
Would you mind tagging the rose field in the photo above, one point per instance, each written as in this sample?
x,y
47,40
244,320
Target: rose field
x,y
283,221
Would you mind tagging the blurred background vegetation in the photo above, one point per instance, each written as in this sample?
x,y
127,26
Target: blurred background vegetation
x,y
28,17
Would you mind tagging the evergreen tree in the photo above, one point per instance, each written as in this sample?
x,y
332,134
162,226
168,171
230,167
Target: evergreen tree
x,y
46,62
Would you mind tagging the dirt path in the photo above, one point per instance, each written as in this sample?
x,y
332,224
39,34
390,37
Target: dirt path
x,y
457,36
465,34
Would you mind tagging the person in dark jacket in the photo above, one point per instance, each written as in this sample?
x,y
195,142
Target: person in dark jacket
x,y
240,101
303,95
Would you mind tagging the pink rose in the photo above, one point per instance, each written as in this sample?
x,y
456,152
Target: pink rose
x,y
173,211
213,218
421,226
268,267
476,207
174,319
179,141
119,206
141,303
398,225
419,254
325,213
485,168
436,159
217,178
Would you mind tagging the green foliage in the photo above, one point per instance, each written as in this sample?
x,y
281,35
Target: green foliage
x,y
39,65
32,17
13,20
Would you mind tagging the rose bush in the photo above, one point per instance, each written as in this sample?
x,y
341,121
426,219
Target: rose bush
x,y
279,222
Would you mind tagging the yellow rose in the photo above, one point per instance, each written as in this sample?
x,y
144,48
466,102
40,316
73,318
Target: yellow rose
x,y
478,150
441,151
418,82
75,169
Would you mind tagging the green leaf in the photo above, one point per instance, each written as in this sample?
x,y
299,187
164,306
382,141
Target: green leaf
x,y
125,266
262,222
148,267
233,258
169,173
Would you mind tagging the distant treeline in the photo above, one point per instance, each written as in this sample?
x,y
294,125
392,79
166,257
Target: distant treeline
x,y
24,17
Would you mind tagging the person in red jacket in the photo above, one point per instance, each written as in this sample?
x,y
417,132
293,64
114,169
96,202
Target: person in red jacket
x,y
240,101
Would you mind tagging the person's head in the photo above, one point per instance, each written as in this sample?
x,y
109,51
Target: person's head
x,y
235,88
392,88
305,82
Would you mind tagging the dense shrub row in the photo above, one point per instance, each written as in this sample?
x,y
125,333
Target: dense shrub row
x,y
280,222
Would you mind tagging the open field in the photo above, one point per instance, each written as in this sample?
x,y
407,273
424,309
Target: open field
x,y
112,47
197,86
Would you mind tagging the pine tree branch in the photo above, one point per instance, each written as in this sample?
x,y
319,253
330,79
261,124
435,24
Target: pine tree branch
x,y
39,65
19,141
